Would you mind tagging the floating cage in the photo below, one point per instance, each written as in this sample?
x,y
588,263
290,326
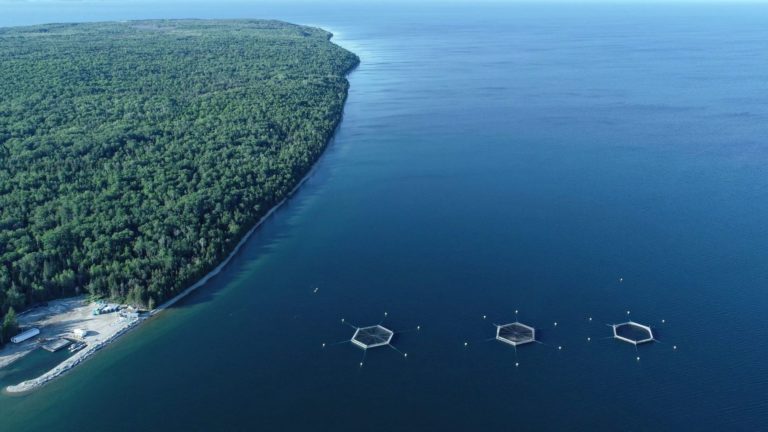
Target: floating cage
x,y
632,332
515,333
372,337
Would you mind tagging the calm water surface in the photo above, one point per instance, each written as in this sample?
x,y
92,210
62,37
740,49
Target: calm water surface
x,y
491,158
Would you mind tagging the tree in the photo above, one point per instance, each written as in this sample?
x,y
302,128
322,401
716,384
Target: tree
x,y
10,325
135,155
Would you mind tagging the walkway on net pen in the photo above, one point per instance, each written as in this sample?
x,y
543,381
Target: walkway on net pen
x,y
632,332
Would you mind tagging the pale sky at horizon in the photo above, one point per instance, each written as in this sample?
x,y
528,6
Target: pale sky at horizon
x,y
37,4
384,1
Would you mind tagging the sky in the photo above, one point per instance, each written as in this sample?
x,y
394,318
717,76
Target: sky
x,y
381,1
27,12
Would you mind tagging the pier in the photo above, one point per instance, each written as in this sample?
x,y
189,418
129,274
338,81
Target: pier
x,y
56,345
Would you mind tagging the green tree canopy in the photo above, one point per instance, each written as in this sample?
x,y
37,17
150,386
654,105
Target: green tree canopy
x,y
10,326
135,155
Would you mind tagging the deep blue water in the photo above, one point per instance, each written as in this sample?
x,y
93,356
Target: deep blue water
x,y
492,158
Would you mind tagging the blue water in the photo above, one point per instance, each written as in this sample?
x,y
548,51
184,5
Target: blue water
x,y
492,158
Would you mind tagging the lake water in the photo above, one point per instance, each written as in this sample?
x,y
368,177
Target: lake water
x,y
492,158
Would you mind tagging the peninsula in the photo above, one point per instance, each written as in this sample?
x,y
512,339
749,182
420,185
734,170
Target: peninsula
x,y
137,156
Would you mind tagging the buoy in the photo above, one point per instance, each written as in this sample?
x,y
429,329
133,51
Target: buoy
x,y
483,316
385,314
560,347
405,355
418,327
674,347
589,339
361,364
517,364
621,279
515,310
627,312
590,318
342,320
555,323
323,345
663,321
638,358
465,343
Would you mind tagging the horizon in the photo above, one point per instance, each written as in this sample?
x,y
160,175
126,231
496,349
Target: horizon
x,y
36,12
387,2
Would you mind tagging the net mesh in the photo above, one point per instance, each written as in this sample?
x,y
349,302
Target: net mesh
x,y
516,333
372,336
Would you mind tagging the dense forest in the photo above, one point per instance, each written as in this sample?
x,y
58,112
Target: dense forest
x,y
134,155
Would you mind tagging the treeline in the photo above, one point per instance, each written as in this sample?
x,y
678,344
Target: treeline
x,y
133,156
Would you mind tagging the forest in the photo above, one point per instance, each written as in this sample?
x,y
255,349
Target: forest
x,y
135,155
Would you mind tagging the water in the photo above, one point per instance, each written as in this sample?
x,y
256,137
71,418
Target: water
x,y
491,158
33,365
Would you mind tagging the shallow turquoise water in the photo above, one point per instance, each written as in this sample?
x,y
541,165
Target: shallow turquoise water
x,y
490,159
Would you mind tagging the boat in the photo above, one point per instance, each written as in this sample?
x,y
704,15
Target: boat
x,y
77,347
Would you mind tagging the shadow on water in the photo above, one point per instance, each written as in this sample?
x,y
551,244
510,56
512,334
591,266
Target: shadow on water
x,y
265,237
261,244
31,366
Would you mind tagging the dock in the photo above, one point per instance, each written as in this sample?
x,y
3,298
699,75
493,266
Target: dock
x,y
56,345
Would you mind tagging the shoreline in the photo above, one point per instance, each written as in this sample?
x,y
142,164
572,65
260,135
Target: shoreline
x,y
90,350
80,356
216,270
68,364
